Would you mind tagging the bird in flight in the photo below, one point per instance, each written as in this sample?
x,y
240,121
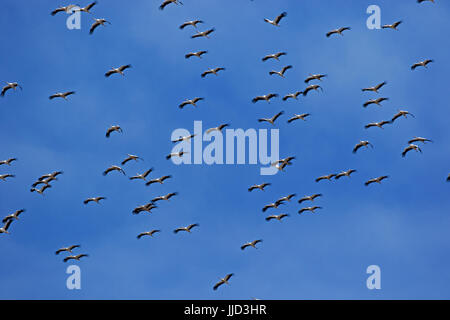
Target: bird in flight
x,y
377,124
212,71
266,97
98,22
250,244
142,176
327,177
176,154
186,138
204,34
363,143
63,95
223,281
310,198
67,249
13,216
118,70
277,217
7,161
281,73
41,191
190,102
219,128
419,139
52,175
275,56
166,197
148,233
10,85
88,7
197,54
315,77
144,208
287,198
190,23
285,161
274,205
113,129
310,209
375,101
337,31
400,114
299,116
4,176
421,64
258,186
420,1
277,20
411,147
158,180
187,229
392,26
66,9
292,95
271,120
344,174
376,180
167,2
5,227
113,168
77,257
96,200
131,157
312,87
375,88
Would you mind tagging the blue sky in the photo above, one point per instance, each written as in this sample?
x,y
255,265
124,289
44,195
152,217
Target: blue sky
x,y
401,225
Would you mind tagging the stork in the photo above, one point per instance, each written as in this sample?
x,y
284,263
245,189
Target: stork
x,y
277,20
118,70
98,22
223,281
10,85
187,229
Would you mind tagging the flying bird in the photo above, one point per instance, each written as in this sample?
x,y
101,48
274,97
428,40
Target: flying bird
x,y
315,77
375,88
148,233
266,97
66,9
131,157
275,56
251,244
310,209
420,1
377,124
401,113
77,257
63,95
96,200
281,73
186,138
98,22
197,54
375,101
258,186
310,198
166,197
191,102
337,31
312,87
419,139
274,205
409,148
212,71
88,7
421,64
7,161
292,95
176,154
167,2
364,143
219,128
118,70
286,161
159,180
10,85
41,191
277,217
344,174
113,168
271,120
190,23
392,26
299,116
50,175
142,176
13,216
327,177
113,129
223,281
287,198
376,180
4,176
187,229
67,249
203,34
144,208
277,20
5,227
